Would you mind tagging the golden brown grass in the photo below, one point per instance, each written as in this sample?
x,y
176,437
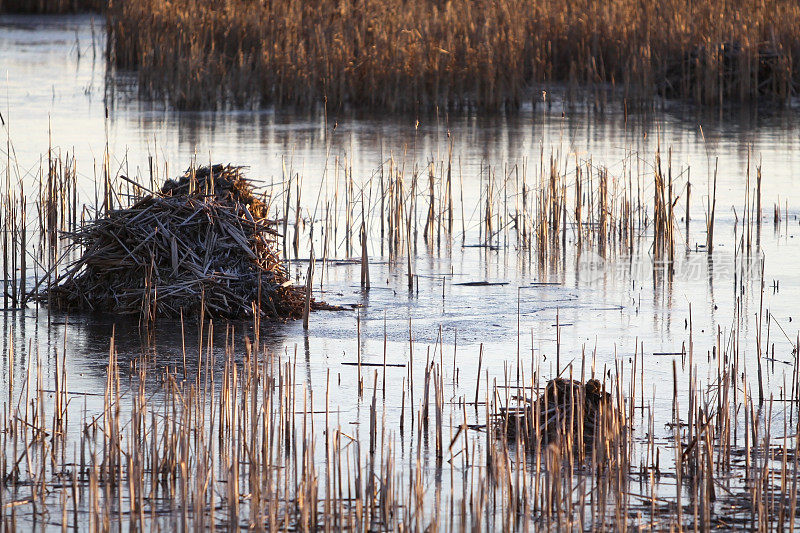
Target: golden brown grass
x,y
410,54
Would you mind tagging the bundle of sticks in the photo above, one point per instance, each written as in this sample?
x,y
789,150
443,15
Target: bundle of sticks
x,y
566,413
202,244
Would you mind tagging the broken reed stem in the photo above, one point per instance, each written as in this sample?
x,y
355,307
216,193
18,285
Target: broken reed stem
x,y
309,289
712,211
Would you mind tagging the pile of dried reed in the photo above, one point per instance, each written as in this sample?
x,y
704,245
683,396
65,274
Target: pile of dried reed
x,y
202,245
567,412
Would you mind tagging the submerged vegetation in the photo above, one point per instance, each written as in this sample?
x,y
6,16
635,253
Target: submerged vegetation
x,y
398,55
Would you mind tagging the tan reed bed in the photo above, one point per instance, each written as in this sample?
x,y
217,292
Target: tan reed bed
x,y
543,206
406,56
542,210
238,439
235,438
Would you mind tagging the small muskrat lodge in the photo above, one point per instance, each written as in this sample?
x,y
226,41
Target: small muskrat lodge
x,y
566,413
203,244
